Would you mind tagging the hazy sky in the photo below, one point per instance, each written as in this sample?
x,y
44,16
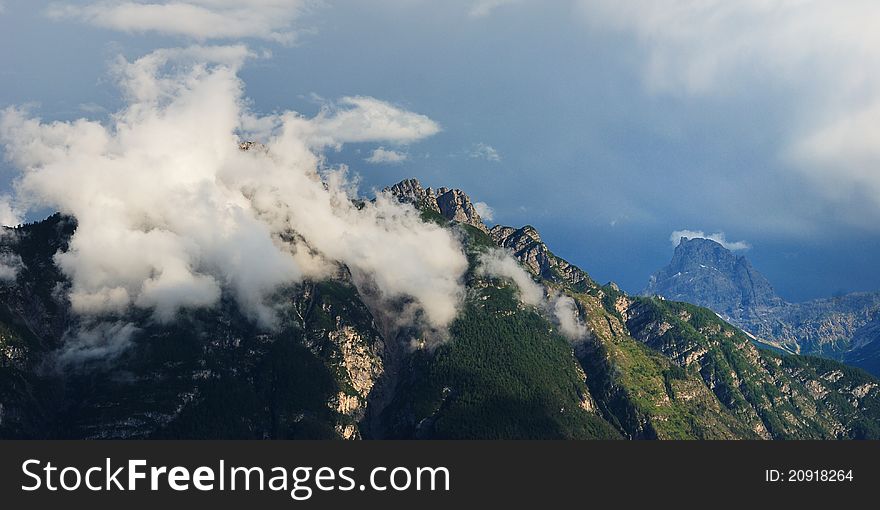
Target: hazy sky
x,y
608,125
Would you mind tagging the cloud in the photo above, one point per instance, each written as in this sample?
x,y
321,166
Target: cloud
x,y
386,156
10,216
198,19
100,342
367,119
483,8
822,57
718,237
485,211
2,7
570,324
484,151
562,308
172,214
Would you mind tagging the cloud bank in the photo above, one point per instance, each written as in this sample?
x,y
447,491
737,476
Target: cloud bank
x,y
172,213
198,19
718,237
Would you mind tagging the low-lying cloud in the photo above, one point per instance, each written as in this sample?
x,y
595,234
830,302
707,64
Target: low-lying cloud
x,y
562,308
172,213
718,237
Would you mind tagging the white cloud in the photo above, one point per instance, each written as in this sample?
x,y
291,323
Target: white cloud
x,y
198,19
718,237
172,214
484,151
2,7
501,264
562,308
386,156
356,120
570,324
10,215
483,8
485,211
823,57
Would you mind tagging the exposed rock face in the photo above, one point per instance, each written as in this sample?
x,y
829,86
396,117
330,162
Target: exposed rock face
x,y
452,204
705,273
526,245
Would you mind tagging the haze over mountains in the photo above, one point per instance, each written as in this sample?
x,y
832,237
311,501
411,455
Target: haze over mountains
x,y
536,349
704,272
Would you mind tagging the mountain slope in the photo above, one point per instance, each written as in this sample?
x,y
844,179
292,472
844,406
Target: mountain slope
x,y
341,365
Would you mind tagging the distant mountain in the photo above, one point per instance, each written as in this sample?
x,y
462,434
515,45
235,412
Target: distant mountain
x,y
342,366
703,272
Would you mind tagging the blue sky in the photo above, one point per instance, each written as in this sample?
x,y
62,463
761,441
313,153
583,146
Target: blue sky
x,y
606,127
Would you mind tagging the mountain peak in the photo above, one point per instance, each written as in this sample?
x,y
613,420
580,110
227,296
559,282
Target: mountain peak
x,y
704,272
700,251
452,204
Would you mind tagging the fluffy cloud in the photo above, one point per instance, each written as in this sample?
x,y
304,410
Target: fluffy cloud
x,y
718,237
361,119
386,156
172,213
823,56
198,19
484,151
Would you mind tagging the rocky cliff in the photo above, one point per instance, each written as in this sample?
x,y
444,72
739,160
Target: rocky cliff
x,y
452,204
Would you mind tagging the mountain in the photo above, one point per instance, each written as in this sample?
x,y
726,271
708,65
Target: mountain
x,y
339,365
705,273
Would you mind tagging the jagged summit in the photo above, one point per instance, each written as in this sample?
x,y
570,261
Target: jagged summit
x,y
524,243
452,204
706,273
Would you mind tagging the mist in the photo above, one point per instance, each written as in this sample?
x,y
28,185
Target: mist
x,y
560,307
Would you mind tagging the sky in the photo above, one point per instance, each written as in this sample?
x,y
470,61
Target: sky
x,y
607,125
